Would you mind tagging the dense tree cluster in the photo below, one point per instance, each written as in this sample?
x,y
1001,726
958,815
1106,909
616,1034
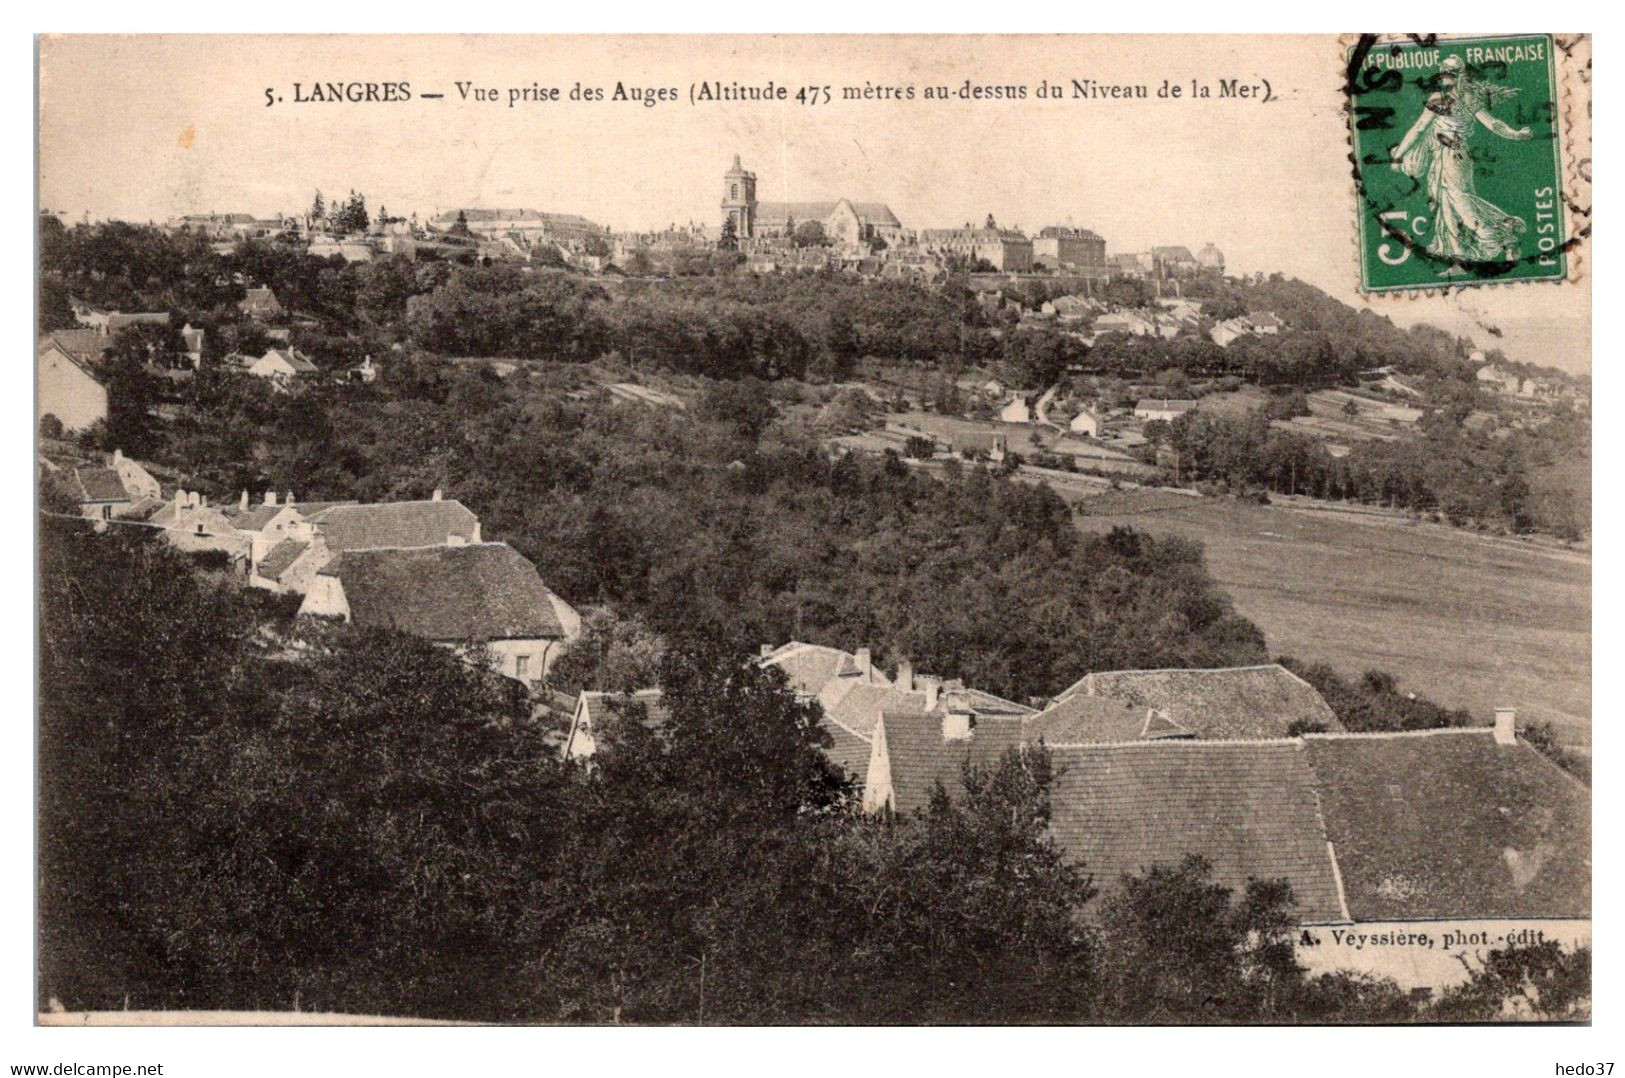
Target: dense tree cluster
x,y
352,820
1467,473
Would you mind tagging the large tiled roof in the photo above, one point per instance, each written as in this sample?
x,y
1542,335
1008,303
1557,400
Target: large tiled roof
x,y
99,485
395,524
256,517
848,748
919,756
1249,808
483,591
281,558
1081,719
1453,824
776,213
1230,702
857,704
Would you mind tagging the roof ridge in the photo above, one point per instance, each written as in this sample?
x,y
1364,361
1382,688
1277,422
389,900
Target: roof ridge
x,y
1192,670
1239,742
1372,735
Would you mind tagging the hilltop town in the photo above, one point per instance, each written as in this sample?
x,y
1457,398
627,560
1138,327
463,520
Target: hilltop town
x,y
518,617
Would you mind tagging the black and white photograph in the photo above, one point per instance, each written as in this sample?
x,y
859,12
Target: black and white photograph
x,y
812,531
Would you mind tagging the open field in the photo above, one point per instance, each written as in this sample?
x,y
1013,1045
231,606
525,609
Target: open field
x,y
1466,620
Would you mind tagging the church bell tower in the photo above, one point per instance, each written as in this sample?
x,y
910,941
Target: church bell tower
x,y
739,199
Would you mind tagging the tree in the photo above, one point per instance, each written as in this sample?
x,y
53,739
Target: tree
x,y
318,209
730,236
810,234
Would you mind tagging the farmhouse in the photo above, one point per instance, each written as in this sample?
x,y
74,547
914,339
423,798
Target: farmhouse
x,y
69,387
1409,855
260,303
280,365
453,595
294,541
1088,423
1223,703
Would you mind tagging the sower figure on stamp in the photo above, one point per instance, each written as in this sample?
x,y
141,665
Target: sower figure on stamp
x,y
1437,151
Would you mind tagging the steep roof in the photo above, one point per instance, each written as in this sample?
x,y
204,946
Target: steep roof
x,y
920,757
597,705
395,524
98,485
83,347
259,299
1228,702
870,213
1248,807
1448,824
281,558
483,591
857,704
848,748
1082,719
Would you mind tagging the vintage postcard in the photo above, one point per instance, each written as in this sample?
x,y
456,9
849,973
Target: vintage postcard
x,y
822,530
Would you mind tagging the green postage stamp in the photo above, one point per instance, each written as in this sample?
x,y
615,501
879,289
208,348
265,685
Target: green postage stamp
x,y
1457,147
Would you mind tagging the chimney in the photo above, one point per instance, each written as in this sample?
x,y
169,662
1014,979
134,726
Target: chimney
x,y
905,675
436,495
287,498
118,457
180,499
270,497
957,724
242,503
1506,726
866,664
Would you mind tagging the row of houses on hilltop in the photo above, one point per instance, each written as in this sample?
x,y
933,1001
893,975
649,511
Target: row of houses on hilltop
x,y
1410,855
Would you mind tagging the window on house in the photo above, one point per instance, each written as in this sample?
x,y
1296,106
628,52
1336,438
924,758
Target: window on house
x,y
521,666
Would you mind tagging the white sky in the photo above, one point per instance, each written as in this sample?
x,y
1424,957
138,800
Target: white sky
x,y
146,128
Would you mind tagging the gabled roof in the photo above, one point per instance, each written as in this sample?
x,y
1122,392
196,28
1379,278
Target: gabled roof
x,y
809,667
848,748
395,524
83,347
857,704
1229,702
281,558
486,591
296,360
870,213
1450,824
259,299
595,706
1248,807
256,517
1082,719
98,485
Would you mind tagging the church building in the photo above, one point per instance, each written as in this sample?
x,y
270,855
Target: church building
x,y
845,223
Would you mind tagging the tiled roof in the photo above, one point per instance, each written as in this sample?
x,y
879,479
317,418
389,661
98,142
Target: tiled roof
x,y
1249,808
809,667
83,346
1452,824
256,517
1230,702
920,757
857,704
259,299
985,703
1082,719
775,213
99,485
281,558
848,748
598,705
395,524
483,591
